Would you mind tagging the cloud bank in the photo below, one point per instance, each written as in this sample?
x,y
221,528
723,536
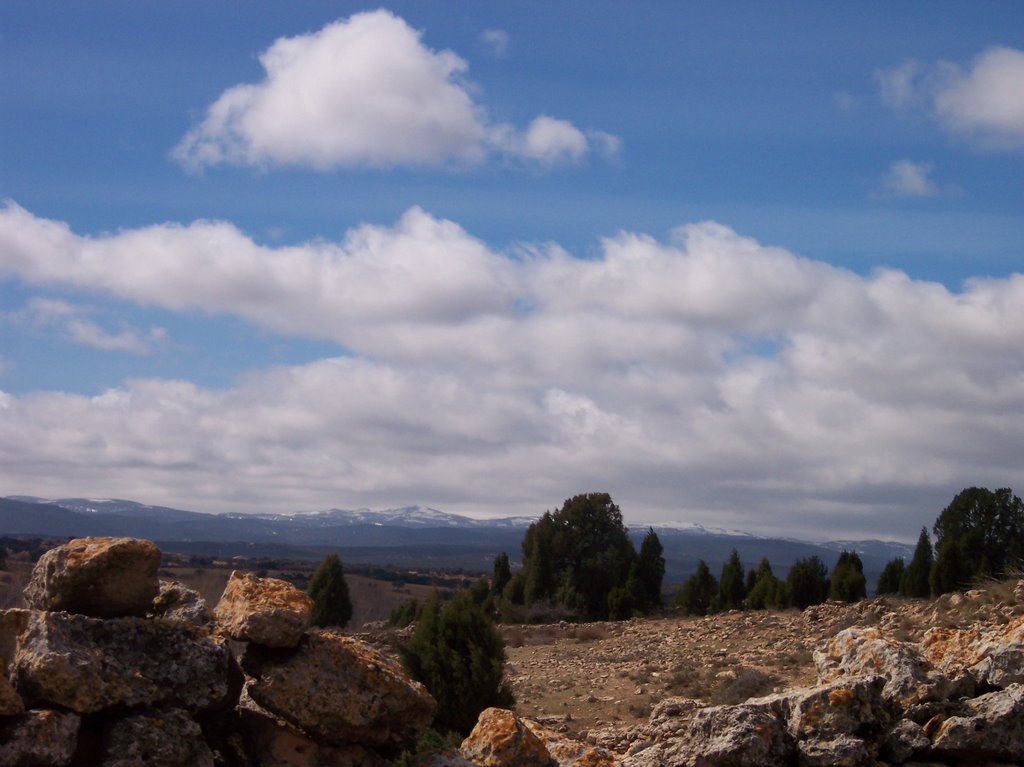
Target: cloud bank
x,y
365,91
984,102
703,377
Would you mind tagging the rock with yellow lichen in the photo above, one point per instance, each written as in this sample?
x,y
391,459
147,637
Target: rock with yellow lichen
x,y
501,739
102,577
340,690
265,611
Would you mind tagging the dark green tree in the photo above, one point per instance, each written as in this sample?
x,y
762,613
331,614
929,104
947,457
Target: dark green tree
x,y
540,577
329,591
889,580
979,535
647,573
404,614
502,574
515,589
807,583
766,590
914,582
620,604
698,594
731,587
457,654
847,582
580,552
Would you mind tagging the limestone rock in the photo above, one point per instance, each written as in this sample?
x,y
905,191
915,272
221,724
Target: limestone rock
x,y
849,707
272,741
12,623
566,752
341,691
179,602
748,735
841,751
88,664
159,738
990,726
10,701
500,739
993,655
102,577
42,737
904,740
855,652
267,611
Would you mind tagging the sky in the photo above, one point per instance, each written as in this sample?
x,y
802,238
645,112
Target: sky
x,y
740,264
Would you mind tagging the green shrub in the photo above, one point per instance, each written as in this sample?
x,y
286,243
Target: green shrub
x,y
331,603
457,654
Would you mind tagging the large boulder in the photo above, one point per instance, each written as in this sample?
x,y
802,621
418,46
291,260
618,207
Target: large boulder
x,y
859,652
272,741
340,691
266,611
88,664
159,738
39,738
748,735
988,727
501,739
992,655
102,577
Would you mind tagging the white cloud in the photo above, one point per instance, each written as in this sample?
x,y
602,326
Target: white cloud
x,y
363,91
906,178
707,377
73,323
496,41
900,85
985,102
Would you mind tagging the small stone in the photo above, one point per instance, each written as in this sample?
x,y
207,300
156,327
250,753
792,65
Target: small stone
x,y
178,602
166,738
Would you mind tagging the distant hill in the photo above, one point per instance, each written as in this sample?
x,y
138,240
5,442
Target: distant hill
x,y
411,536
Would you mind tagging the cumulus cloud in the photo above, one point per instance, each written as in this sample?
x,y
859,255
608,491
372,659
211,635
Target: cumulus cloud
x,y
72,320
363,91
706,376
906,178
984,101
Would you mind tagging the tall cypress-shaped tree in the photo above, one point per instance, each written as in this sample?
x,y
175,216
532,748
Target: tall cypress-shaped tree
x,y
914,582
765,590
502,574
848,582
731,587
889,580
331,603
697,595
807,582
647,573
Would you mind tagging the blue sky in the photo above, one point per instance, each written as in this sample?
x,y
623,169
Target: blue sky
x,y
744,264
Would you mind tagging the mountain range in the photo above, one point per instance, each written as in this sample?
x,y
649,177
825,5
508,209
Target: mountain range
x,y
411,536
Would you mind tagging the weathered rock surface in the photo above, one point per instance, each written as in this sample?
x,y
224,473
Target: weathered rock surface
x,y
10,701
266,611
178,602
12,623
88,664
272,741
991,726
340,691
748,735
855,652
161,738
102,577
567,752
501,739
41,737
992,655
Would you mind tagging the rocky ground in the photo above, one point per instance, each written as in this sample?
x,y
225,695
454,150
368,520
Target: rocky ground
x,y
608,676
